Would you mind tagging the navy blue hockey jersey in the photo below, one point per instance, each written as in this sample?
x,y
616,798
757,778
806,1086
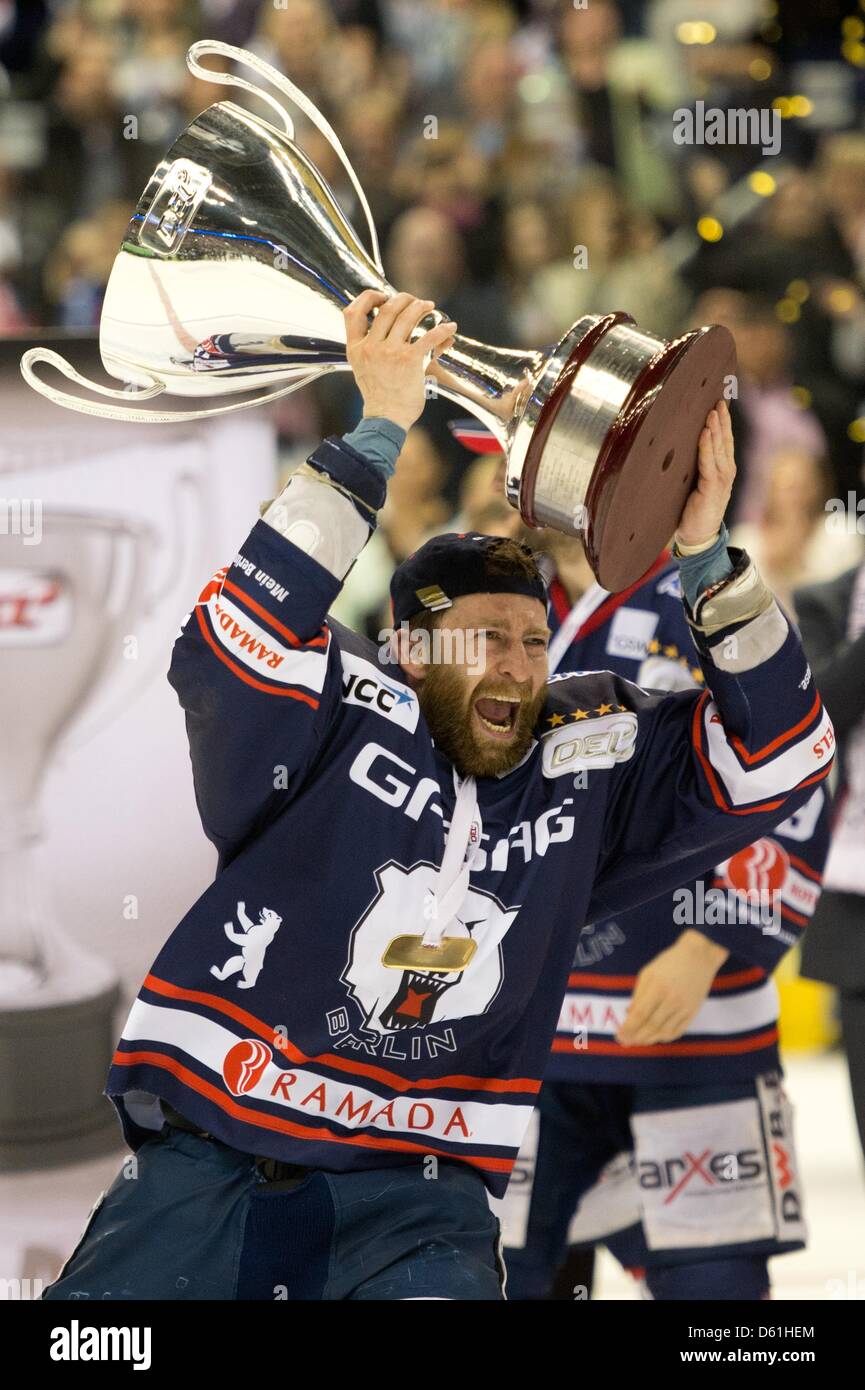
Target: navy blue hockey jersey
x,y
756,902
269,1017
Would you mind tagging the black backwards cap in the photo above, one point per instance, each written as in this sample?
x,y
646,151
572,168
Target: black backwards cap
x,y
446,567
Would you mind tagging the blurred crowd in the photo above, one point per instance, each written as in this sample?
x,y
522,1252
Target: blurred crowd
x,y
520,161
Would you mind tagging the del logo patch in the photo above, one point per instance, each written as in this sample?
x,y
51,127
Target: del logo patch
x,y
590,743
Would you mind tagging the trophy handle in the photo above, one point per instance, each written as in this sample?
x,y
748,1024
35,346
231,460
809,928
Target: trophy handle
x,y
128,413
276,79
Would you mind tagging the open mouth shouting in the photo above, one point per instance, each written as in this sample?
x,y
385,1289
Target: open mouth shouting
x,y
498,718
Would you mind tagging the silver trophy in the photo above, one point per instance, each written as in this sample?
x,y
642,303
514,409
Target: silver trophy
x,y
233,275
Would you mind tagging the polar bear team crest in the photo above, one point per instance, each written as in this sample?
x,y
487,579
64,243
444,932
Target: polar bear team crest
x,y
253,940
396,999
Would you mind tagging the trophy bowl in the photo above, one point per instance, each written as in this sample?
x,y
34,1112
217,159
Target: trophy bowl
x,y
234,273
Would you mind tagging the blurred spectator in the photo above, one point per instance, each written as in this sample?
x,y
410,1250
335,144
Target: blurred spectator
x,y
426,257
77,273
435,37
841,171
533,241
88,155
588,37
483,506
791,543
372,124
832,621
617,262
489,94
12,316
295,39
413,510
149,74
447,173
768,415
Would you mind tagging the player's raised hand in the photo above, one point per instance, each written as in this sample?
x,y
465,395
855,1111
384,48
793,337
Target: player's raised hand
x,y
704,510
388,367
670,989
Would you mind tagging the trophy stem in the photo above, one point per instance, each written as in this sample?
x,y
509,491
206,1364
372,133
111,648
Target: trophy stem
x,y
493,383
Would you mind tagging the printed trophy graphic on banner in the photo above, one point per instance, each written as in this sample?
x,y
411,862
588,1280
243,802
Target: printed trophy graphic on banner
x,y
66,605
233,275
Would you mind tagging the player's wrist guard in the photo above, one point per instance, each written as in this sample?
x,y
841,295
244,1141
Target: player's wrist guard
x,y
737,598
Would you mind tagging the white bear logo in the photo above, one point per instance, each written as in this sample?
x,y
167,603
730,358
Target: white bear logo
x,y
253,942
391,999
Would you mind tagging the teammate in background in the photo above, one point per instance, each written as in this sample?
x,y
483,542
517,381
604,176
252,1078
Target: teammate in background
x,y
662,1115
333,1134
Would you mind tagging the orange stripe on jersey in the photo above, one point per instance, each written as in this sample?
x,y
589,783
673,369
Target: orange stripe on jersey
x,y
578,981
242,675
610,983
805,868
388,1078
714,787
776,742
737,978
273,1122
695,1049
262,612
792,916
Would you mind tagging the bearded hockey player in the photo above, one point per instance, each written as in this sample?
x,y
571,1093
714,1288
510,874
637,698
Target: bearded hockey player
x,y
431,835
663,1105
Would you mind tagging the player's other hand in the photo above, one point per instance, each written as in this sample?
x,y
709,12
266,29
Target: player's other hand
x,y
670,990
389,369
704,510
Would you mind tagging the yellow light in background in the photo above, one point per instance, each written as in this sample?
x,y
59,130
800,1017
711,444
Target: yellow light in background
x,y
856,430
801,106
852,27
798,290
854,52
710,229
841,299
759,69
696,31
788,310
801,397
782,104
762,183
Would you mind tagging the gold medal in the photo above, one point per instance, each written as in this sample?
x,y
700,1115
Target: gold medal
x,y
452,953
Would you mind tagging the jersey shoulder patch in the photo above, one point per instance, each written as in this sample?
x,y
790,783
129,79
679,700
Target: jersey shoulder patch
x,y
366,685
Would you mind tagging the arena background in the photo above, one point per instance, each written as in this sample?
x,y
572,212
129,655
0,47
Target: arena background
x,y
522,168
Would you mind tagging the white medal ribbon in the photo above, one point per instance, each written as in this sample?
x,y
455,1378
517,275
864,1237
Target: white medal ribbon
x,y
452,880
